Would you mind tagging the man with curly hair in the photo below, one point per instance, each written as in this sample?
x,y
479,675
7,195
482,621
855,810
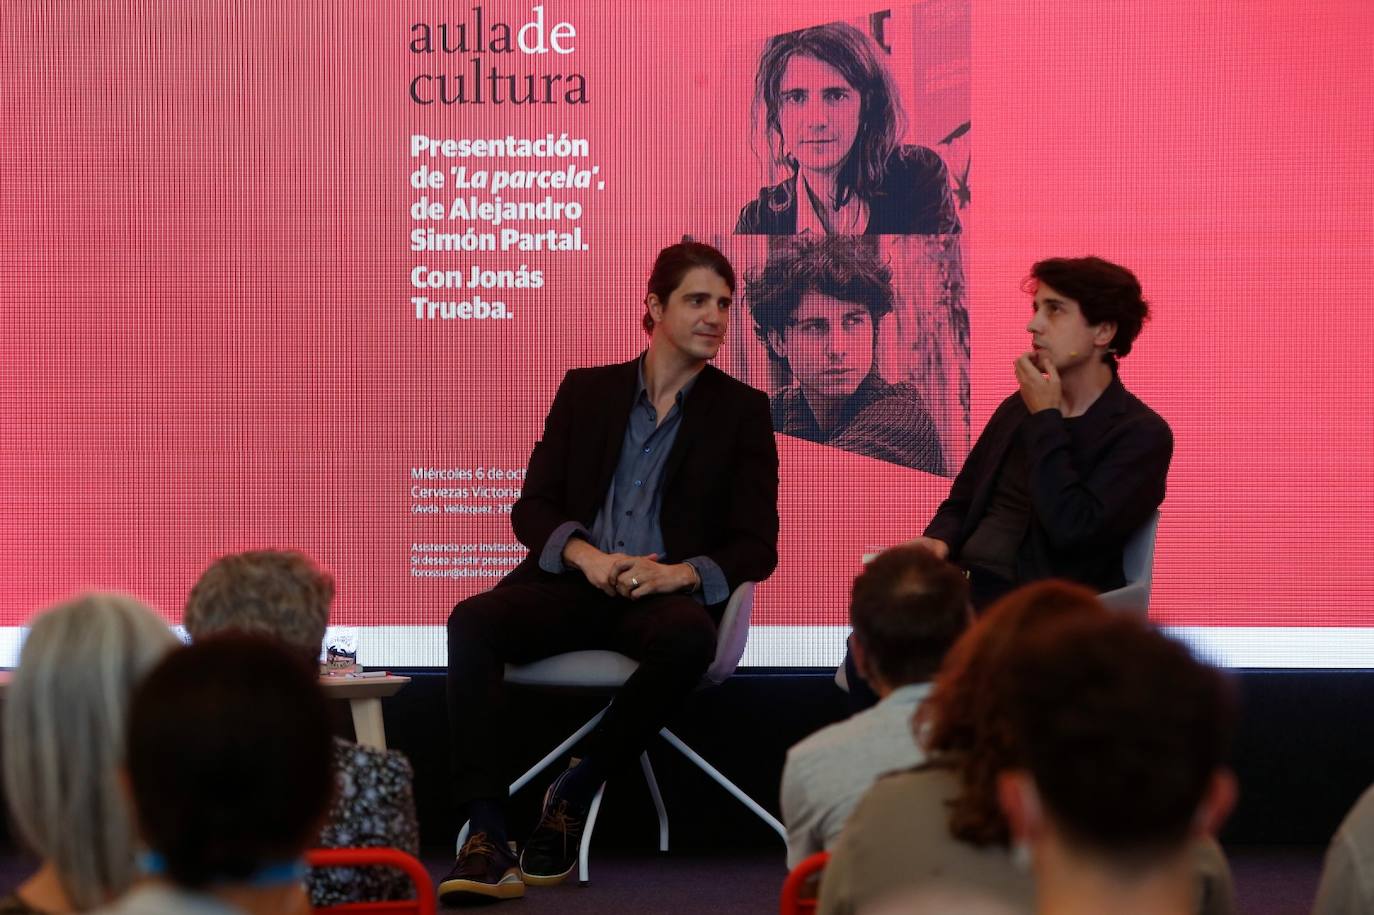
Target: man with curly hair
x,y
1072,464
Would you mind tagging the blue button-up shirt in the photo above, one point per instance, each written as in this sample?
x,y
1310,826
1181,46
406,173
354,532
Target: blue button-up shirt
x,y
629,518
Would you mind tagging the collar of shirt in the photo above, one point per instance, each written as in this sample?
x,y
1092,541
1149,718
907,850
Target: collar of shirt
x,y
910,694
1097,419
796,417
850,219
642,389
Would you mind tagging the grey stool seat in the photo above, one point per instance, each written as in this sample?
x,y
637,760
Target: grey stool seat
x,y
586,669
1138,567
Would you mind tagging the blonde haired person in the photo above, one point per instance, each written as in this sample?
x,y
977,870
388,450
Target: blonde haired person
x,y
64,735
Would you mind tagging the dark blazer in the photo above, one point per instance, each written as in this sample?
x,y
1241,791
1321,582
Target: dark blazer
x,y
913,199
1092,484
720,486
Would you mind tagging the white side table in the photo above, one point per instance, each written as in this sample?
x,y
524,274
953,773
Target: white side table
x,y
365,695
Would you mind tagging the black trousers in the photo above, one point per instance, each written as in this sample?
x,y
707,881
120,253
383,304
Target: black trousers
x,y
861,695
986,589
672,636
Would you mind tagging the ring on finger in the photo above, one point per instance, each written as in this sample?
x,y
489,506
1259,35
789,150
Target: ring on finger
x,y
634,582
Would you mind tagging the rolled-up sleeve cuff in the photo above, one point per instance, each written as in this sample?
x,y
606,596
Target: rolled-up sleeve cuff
x,y
551,559
714,587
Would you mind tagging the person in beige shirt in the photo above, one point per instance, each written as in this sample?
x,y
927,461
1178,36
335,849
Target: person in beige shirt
x,y
1347,885
907,608
64,740
942,822
898,841
941,825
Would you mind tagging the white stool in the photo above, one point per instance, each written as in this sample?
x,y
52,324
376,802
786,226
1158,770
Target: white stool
x,y
609,670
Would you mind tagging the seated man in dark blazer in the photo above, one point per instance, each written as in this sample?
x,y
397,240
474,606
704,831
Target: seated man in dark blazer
x,y
650,497
1070,465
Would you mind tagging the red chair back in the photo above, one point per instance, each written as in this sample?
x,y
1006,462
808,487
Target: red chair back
x,y
423,903
799,889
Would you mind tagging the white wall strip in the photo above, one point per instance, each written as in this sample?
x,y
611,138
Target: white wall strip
x,y
1278,647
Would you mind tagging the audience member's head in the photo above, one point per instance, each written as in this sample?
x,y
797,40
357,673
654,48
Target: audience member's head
x,y
229,760
907,608
965,721
1123,740
279,593
64,737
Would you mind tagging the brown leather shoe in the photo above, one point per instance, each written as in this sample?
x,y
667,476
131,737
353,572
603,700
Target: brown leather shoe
x,y
483,872
551,853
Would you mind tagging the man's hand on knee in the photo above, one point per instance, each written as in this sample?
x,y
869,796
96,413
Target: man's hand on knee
x,y
647,576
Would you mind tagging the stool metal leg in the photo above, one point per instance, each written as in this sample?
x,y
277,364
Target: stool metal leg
x,y
658,801
585,846
540,766
557,751
724,782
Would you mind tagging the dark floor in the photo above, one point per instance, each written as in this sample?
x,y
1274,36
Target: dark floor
x,y
1275,880
1270,880
653,884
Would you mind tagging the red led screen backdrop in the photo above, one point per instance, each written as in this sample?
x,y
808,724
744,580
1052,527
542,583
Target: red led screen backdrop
x,y
308,274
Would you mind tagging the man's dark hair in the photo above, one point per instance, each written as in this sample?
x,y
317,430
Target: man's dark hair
x,y
881,120
845,267
907,608
229,756
1122,730
673,263
1104,292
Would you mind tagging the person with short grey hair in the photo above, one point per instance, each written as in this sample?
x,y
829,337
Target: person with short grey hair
x,y
285,595
64,734
282,594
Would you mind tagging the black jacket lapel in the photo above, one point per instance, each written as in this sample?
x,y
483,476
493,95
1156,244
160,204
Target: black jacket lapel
x,y
696,414
621,396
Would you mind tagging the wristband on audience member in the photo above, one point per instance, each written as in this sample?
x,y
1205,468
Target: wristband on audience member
x,y
696,579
